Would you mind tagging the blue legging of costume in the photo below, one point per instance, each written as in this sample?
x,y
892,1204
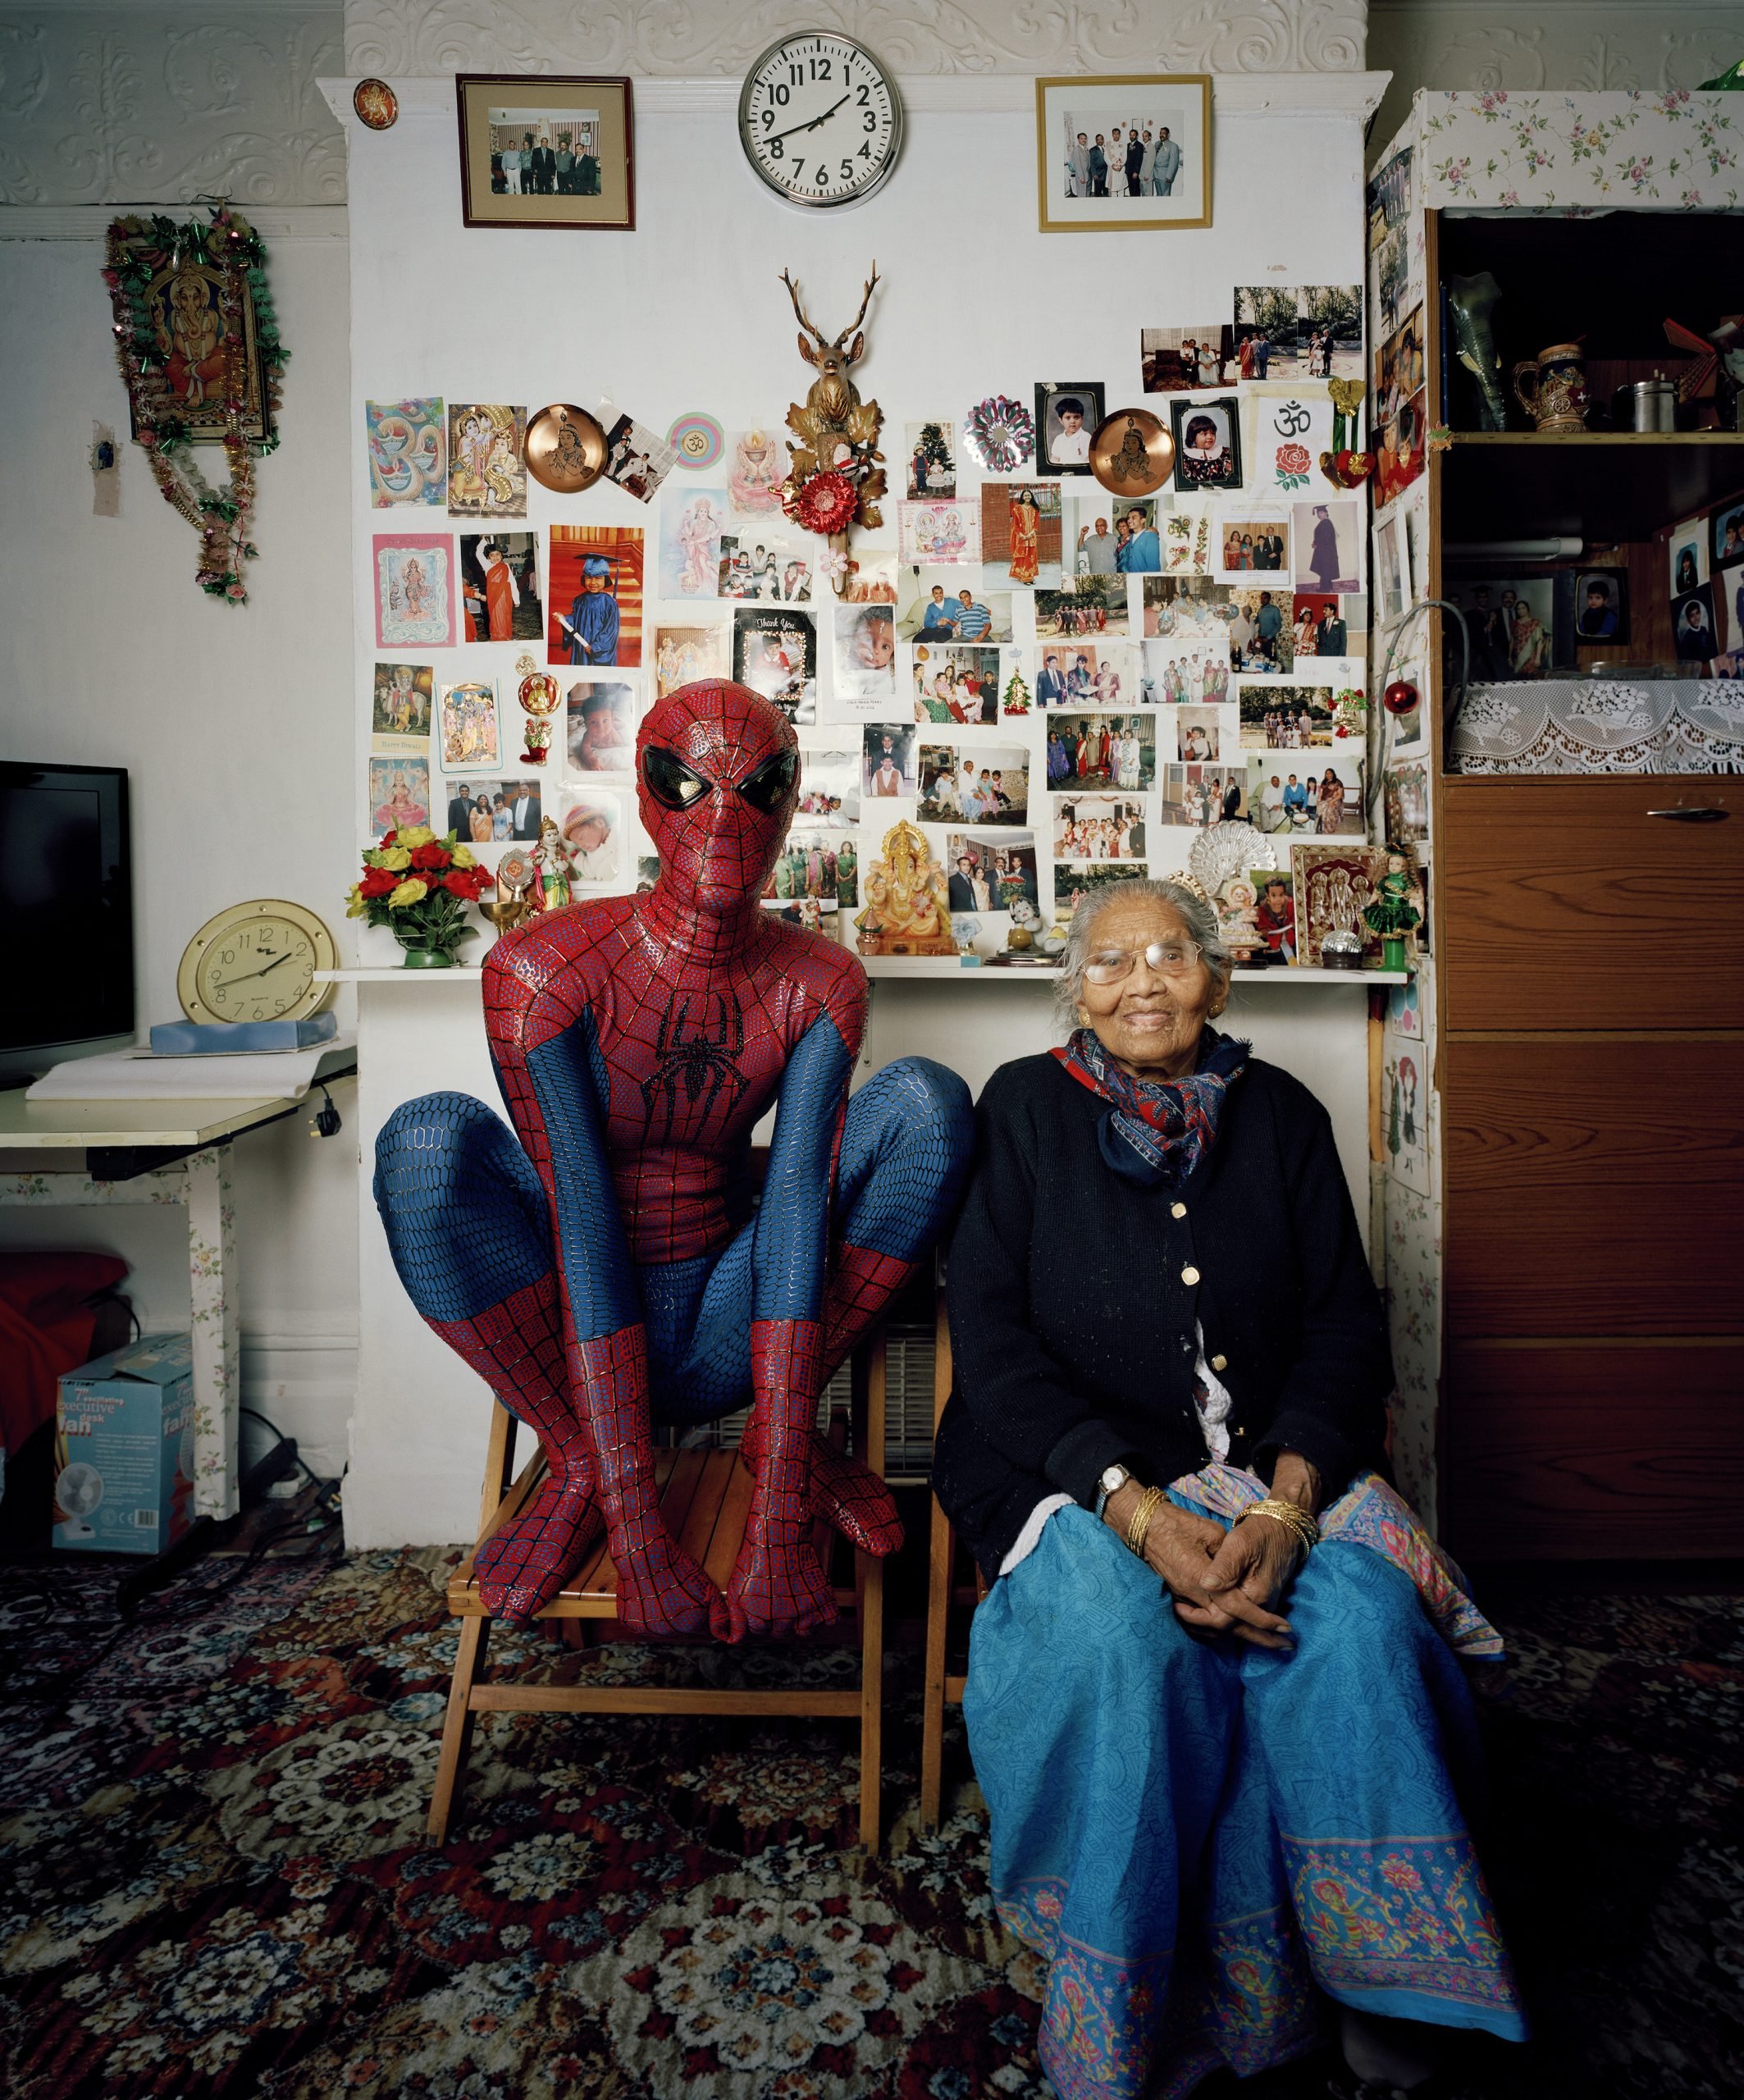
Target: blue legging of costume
x,y
1203,1838
468,1224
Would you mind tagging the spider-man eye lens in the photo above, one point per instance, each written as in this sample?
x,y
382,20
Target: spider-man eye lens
x,y
769,786
672,784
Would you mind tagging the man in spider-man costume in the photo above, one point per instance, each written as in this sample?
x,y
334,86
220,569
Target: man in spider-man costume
x,y
608,1271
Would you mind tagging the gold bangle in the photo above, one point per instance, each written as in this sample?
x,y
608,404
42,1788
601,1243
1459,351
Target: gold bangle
x,y
1295,1519
1139,1527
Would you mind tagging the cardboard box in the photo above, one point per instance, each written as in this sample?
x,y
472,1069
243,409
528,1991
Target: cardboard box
x,y
123,1450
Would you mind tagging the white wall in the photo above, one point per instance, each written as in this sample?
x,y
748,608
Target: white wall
x,y
687,312
236,726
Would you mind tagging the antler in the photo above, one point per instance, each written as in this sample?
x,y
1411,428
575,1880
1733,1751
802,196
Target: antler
x,y
799,311
864,302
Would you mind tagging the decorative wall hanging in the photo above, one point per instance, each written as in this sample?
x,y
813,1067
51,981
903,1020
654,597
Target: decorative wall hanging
x,y
1131,452
565,448
376,105
198,343
1000,434
836,473
697,439
544,149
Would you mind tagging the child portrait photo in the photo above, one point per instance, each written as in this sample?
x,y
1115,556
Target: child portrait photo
x,y
775,653
1065,419
1208,443
500,586
595,579
888,760
865,652
600,718
1601,605
931,453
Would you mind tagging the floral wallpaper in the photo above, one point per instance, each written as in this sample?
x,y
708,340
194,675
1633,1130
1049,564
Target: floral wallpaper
x,y
1671,149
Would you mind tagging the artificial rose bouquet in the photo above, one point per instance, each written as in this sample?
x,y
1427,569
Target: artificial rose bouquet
x,y
419,885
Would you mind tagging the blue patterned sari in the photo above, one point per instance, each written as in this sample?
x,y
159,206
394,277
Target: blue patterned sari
x,y
1208,1840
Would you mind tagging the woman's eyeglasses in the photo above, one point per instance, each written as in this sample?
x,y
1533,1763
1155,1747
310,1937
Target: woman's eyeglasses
x,y
1167,958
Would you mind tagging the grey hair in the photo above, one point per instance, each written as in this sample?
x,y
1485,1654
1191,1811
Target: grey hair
x,y
1199,917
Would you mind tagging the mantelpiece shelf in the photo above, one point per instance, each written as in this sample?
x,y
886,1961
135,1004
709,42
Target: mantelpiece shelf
x,y
894,967
1595,485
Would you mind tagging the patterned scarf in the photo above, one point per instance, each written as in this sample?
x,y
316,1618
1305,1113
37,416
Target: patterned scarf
x,y
1157,1130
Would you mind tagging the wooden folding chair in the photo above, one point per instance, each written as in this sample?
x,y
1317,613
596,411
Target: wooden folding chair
x,y
704,1499
941,1685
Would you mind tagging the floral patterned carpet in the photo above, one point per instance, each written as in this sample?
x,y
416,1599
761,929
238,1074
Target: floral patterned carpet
x,y
214,1881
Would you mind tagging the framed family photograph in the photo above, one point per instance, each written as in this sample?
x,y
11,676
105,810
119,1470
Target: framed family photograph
x,y
546,150
1123,151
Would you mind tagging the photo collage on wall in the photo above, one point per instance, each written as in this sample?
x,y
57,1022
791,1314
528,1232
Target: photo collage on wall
x,y
1052,683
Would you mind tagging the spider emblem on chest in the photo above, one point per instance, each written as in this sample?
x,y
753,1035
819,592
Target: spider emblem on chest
x,y
697,1050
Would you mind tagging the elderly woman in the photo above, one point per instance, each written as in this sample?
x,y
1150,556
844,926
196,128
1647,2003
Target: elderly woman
x,y
1213,1699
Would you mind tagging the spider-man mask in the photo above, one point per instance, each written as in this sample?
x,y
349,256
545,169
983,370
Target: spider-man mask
x,y
717,770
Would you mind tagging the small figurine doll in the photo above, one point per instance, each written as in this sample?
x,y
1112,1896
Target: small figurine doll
x,y
1397,910
554,855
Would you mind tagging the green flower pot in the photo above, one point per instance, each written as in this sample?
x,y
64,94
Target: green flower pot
x,y
423,958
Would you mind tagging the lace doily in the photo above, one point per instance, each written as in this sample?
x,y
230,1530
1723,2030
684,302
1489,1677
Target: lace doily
x,y
1591,725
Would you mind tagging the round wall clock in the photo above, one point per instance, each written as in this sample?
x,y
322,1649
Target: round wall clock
x,y
256,961
820,120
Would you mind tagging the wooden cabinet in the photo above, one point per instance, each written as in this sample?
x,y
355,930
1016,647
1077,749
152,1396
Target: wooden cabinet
x,y
1590,1061
1594,1186
1575,903
1585,1450
1587,1029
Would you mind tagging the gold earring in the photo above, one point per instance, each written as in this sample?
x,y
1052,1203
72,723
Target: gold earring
x,y
1084,1016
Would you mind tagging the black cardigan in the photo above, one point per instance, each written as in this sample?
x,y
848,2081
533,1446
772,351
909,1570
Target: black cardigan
x,y
1073,1294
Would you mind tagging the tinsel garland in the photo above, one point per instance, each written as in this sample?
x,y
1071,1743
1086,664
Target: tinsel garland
x,y
137,250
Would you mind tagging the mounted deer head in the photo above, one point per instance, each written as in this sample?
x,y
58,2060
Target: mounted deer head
x,y
830,357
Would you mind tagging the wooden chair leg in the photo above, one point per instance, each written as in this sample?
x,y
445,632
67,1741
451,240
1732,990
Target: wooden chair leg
x,y
941,1545
871,1585
457,1728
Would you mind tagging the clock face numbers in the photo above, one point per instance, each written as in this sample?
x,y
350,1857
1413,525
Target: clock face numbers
x,y
820,122
256,971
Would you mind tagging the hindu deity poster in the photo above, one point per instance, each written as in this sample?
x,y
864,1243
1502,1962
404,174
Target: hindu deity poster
x,y
407,453
414,590
487,460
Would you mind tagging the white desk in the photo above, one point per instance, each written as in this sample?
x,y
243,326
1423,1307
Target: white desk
x,y
164,1153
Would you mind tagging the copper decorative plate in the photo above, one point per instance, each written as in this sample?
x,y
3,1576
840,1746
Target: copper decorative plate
x,y
565,448
376,103
1131,454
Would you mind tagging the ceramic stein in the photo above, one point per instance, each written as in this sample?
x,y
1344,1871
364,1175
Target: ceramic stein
x,y
1557,401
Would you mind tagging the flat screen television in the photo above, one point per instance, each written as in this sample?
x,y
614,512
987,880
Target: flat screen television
x,y
67,877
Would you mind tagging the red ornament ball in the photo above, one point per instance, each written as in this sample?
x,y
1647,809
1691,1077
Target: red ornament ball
x,y
1399,698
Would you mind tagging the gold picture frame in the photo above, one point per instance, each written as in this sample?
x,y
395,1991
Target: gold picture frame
x,y
517,130
1092,175
186,318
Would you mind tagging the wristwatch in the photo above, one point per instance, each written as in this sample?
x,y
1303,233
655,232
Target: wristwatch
x,y
1111,1480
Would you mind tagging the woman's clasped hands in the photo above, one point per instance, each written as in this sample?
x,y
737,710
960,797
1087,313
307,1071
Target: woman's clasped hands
x,y
1222,1581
